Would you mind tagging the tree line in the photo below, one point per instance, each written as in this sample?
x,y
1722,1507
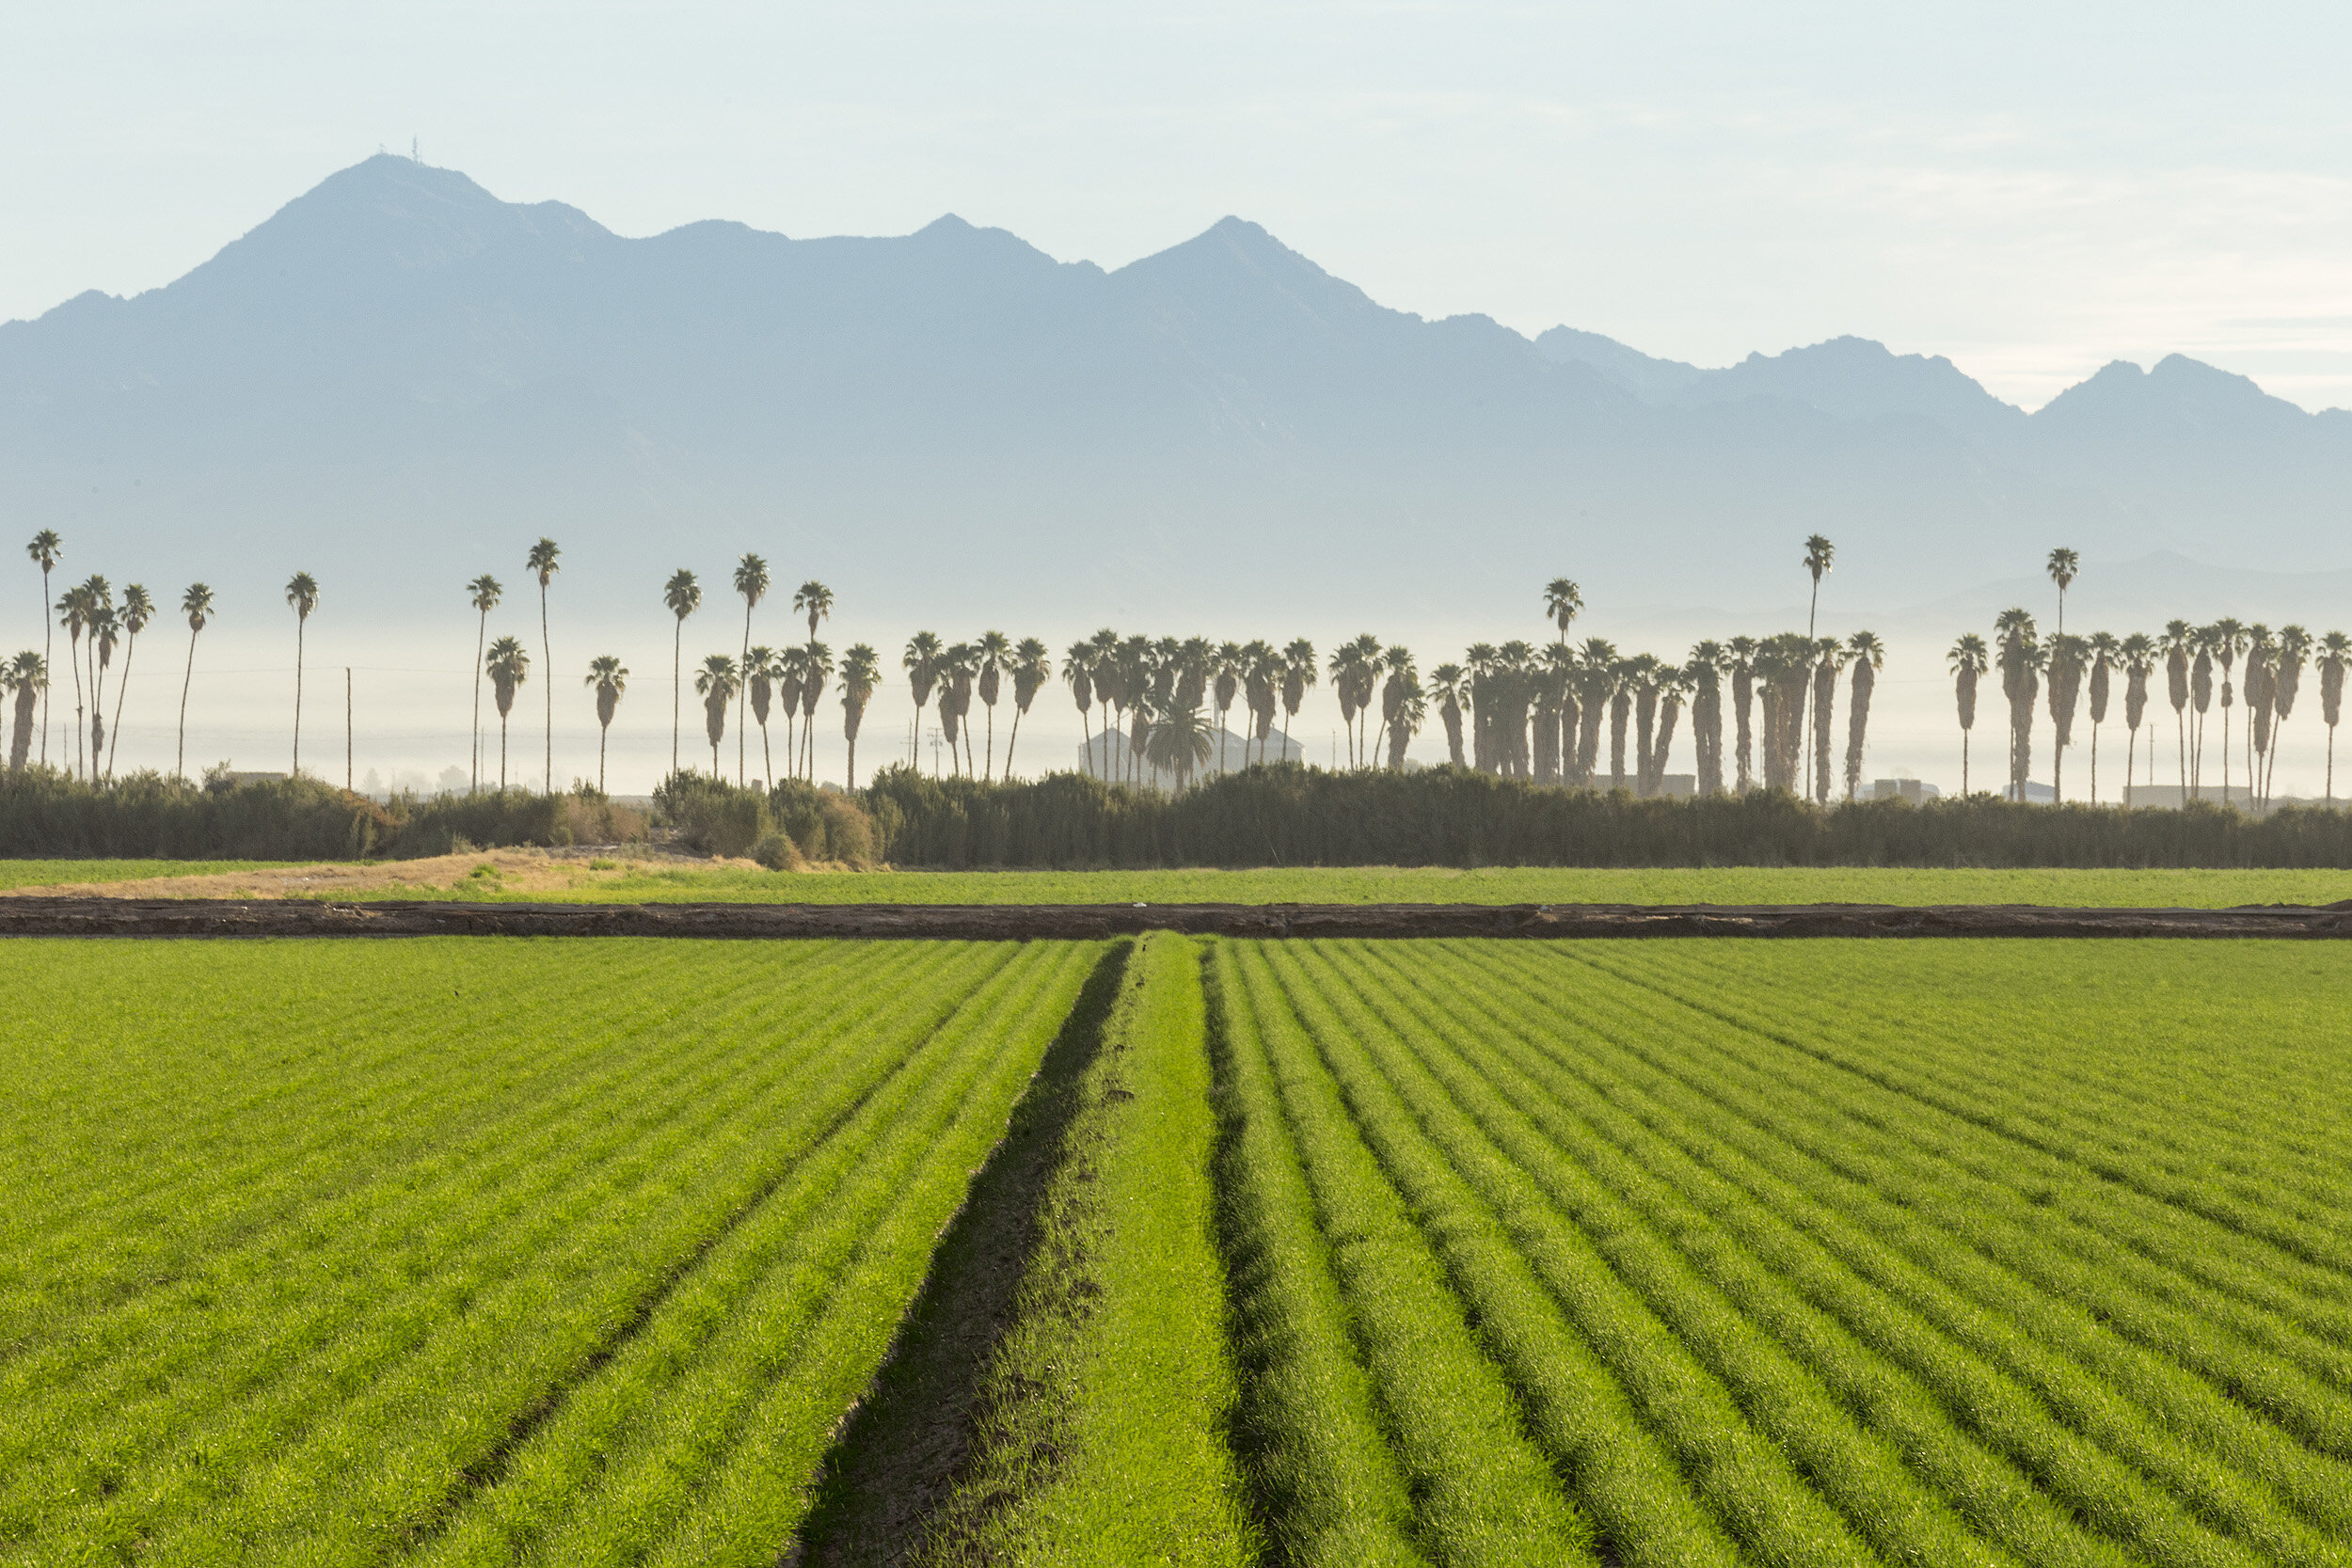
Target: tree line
x,y
2068,667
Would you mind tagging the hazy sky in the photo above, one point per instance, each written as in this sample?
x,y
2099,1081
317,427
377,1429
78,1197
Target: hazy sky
x,y
2030,189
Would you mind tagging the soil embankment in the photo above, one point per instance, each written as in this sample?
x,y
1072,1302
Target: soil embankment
x,y
299,917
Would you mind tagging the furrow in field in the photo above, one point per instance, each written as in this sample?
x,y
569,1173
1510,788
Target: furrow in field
x,y
605,1477
569,1273
2264,1363
1483,1491
1531,1184
1331,1492
1773,1248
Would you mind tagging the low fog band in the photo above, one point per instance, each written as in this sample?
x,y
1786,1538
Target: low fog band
x,y
199,917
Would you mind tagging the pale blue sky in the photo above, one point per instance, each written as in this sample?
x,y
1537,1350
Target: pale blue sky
x,y
2030,189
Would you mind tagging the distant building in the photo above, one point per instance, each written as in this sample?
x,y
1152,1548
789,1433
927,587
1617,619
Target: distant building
x,y
1107,755
1903,789
2168,797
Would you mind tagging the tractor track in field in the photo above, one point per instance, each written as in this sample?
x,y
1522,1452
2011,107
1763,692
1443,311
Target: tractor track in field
x,y
302,918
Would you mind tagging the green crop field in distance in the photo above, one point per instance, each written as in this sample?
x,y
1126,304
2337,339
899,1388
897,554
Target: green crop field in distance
x,y
464,1251
16,874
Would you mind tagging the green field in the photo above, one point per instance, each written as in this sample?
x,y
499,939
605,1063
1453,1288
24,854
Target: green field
x,y
641,880
1355,1252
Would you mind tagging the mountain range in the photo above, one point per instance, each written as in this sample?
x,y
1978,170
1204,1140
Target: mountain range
x,y
398,380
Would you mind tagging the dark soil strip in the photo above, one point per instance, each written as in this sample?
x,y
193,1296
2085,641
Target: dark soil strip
x,y
205,917
897,1461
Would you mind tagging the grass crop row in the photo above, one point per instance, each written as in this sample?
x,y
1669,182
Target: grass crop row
x,y
686,1154
2090,1378
1801,1277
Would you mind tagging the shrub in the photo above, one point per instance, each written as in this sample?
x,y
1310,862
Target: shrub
x,y
711,815
824,824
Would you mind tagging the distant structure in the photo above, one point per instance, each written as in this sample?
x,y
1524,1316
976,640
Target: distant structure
x,y
1918,789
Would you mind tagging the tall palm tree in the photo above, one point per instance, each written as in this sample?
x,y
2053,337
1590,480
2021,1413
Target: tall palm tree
x,y
791,669
1596,663
44,550
2063,565
98,603
1032,667
2229,640
1077,672
610,676
1818,554
27,676
1703,673
814,671
1298,677
2019,660
1261,679
716,682
1969,659
1178,742
197,604
302,593
860,673
683,596
2104,652
483,594
1742,670
2068,655
995,649
105,635
2294,648
2260,688
1402,676
508,666
74,608
540,560
751,580
1411,711
2137,654
2335,652
1564,602
921,663
1829,660
1227,666
1450,686
761,670
2201,703
1869,657
2176,644
137,611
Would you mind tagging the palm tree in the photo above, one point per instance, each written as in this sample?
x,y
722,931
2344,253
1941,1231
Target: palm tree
x,y
611,678
1227,665
2063,565
2020,661
1298,676
1742,670
27,676
138,610
44,550
105,633
1397,661
860,673
1869,657
1077,672
1704,674
751,580
1968,660
1450,686
813,601
508,666
2261,692
1564,602
484,594
74,608
1404,722
815,668
302,592
1179,742
2229,642
921,663
2201,703
540,561
761,670
2068,655
2105,649
683,596
2137,654
197,604
2294,648
996,648
2335,652
1032,667
716,685
1819,552
791,669
1829,658
2176,643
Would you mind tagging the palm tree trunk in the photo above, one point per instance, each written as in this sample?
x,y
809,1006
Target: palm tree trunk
x,y
481,637
766,758
742,701
1963,765
1011,741
676,689
2331,764
123,689
301,627
179,768
502,754
2130,755
991,774
2094,765
547,663
48,659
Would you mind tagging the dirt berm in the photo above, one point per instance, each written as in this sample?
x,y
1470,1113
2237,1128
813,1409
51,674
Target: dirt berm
x,y
194,917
